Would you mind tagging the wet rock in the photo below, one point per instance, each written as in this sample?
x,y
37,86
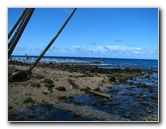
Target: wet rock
x,y
51,63
131,83
127,70
70,97
127,114
137,96
129,88
147,76
121,93
97,62
61,88
122,80
140,85
154,98
144,103
112,79
148,110
144,96
136,70
36,85
76,115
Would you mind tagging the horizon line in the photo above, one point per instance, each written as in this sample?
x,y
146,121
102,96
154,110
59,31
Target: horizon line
x,y
90,57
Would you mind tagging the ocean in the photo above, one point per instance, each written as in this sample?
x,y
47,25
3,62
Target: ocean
x,y
122,63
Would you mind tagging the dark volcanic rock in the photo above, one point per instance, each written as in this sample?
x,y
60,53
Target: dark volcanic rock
x,y
112,79
39,76
86,89
140,85
20,76
61,97
36,85
97,89
61,88
47,81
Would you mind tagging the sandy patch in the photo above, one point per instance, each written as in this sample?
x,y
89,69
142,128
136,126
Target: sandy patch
x,y
19,91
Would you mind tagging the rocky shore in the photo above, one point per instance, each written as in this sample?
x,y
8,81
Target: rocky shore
x,y
55,82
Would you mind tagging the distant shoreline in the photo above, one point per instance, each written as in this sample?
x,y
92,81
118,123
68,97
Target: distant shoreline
x,y
48,56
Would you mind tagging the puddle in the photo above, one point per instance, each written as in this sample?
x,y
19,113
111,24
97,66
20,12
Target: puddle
x,y
135,102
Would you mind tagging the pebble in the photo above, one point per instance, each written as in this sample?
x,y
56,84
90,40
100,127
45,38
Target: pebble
x,y
61,88
36,85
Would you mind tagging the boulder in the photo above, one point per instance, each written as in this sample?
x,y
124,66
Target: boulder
x,y
20,76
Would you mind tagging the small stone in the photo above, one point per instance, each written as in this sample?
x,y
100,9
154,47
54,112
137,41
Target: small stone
x,y
76,115
47,81
129,88
39,77
61,88
10,107
86,89
45,93
61,97
144,96
97,89
30,105
36,85
131,83
112,79
127,114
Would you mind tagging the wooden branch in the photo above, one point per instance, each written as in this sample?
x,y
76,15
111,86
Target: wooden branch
x,y
73,83
101,94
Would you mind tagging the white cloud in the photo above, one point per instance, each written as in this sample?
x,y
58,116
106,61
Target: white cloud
x,y
95,51
123,48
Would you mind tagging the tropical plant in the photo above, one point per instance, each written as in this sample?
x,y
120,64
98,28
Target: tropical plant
x,y
27,100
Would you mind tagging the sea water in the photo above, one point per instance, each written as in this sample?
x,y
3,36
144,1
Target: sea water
x,y
149,64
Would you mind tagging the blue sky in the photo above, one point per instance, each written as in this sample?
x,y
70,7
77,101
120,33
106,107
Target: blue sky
x,y
91,32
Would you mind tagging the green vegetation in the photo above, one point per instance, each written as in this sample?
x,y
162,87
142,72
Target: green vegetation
x,y
50,86
27,100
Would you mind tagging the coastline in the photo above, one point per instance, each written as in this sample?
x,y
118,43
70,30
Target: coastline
x,y
58,74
